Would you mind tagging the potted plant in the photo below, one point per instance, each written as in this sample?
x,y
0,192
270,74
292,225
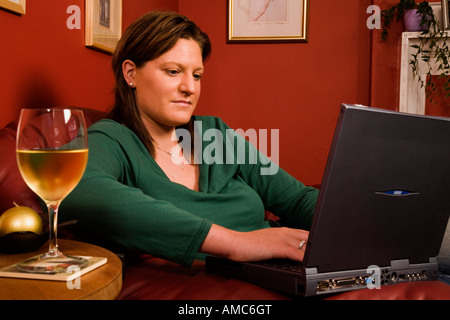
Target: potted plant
x,y
432,48
415,16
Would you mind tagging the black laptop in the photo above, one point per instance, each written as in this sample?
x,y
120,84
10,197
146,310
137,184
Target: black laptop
x,y
382,211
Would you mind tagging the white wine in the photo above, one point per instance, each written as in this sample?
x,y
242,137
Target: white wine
x,y
51,174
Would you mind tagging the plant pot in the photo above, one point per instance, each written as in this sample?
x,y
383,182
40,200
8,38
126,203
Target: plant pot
x,y
412,21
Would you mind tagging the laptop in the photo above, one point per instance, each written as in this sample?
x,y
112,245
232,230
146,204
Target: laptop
x,y
382,210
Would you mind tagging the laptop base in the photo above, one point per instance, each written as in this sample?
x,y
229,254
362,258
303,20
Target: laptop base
x,y
292,278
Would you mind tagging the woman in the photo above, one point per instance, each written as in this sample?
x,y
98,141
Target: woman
x,y
140,195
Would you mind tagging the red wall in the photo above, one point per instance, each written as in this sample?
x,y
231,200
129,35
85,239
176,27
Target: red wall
x,y
294,87
439,102
43,63
385,83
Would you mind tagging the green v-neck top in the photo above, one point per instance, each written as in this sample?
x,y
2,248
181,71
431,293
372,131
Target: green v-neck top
x,y
126,200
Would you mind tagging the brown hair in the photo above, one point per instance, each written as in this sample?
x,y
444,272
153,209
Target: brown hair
x,y
147,38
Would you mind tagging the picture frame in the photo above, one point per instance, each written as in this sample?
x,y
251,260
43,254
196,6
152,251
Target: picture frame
x,y
445,14
256,21
103,24
16,6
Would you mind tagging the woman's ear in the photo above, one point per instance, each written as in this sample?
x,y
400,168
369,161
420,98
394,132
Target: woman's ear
x,y
129,72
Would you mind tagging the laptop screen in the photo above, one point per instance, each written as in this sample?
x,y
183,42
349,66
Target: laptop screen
x,y
385,191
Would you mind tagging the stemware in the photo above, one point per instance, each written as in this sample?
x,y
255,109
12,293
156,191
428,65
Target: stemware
x,y
52,153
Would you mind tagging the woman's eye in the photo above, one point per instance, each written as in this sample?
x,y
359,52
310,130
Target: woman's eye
x,y
197,76
172,72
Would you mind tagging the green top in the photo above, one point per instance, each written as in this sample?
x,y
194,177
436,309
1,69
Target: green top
x,y
125,198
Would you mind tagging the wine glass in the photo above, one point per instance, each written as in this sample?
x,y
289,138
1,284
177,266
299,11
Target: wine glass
x,y
52,153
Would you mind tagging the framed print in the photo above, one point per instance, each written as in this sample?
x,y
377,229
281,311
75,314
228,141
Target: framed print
x,y
267,21
103,24
445,14
17,6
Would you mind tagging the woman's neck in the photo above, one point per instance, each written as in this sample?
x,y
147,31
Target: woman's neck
x,y
162,135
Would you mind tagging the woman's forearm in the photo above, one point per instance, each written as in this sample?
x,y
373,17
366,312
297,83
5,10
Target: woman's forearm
x,y
255,245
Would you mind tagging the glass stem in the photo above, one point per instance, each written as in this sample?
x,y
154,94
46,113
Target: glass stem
x,y
53,229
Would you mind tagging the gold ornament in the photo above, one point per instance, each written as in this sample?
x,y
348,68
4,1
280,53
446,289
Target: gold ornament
x,y
18,219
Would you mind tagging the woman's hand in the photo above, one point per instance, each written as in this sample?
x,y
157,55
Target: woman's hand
x,y
256,245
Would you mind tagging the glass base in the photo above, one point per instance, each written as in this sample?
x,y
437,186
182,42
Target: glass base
x,y
51,264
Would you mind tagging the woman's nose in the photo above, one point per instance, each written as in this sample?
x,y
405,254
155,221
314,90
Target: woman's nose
x,y
188,85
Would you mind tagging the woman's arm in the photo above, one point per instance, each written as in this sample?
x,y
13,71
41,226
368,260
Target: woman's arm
x,y
255,245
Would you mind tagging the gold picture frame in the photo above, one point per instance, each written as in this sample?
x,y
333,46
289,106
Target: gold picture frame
x,y
256,21
16,6
103,24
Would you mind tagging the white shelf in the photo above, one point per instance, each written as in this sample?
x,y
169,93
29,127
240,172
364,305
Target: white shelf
x,y
412,95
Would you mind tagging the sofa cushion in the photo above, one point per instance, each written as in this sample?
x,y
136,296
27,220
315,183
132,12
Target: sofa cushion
x,y
421,290
157,279
12,186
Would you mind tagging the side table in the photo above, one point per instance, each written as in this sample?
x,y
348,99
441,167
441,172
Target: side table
x,y
103,283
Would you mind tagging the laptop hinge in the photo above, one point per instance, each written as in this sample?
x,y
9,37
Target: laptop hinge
x,y
400,264
311,271
404,263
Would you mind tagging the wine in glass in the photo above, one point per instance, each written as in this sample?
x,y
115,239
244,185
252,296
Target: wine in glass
x,y
52,153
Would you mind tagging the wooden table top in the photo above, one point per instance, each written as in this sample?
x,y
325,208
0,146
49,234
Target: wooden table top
x,y
103,283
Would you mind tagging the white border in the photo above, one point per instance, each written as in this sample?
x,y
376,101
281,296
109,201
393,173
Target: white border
x,y
412,95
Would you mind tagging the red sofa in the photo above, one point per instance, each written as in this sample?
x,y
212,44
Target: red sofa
x,y
154,278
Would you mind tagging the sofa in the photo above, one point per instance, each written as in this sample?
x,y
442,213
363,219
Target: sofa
x,y
150,278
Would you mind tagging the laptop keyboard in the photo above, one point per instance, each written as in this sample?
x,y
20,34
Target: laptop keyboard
x,y
281,264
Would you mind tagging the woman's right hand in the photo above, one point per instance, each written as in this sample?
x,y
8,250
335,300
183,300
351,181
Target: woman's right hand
x,y
256,245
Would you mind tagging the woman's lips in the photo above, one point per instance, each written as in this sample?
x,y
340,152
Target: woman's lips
x,y
183,102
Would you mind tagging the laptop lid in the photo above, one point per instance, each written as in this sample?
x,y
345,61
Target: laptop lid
x,y
385,191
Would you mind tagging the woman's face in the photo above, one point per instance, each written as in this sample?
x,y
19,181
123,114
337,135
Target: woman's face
x,y
168,87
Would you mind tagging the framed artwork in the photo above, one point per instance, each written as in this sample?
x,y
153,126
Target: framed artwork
x,y
103,24
445,14
17,6
251,21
